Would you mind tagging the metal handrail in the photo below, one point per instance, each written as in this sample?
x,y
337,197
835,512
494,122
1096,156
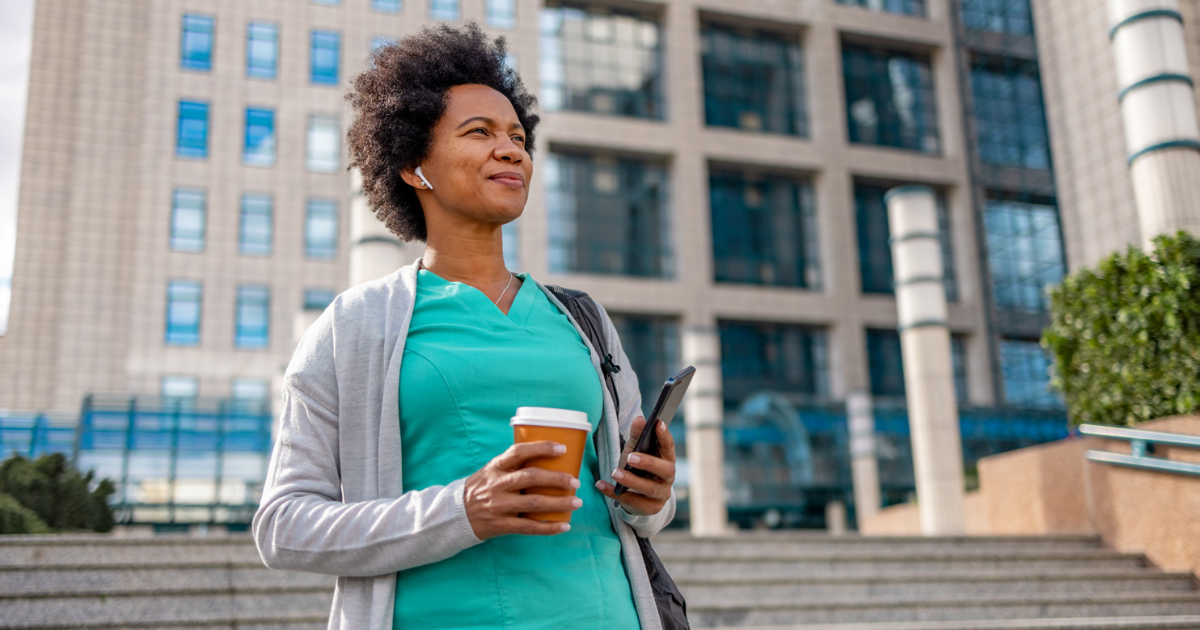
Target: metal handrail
x,y
1139,456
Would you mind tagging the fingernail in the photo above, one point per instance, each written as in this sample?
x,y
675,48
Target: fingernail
x,y
576,502
599,485
574,483
634,458
618,474
565,527
559,449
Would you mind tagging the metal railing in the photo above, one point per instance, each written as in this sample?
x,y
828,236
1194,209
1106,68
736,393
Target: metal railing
x,y
1142,449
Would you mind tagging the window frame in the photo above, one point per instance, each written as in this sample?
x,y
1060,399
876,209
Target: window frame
x,y
189,59
186,334
330,42
253,71
245,337
252,154
186,144
178,242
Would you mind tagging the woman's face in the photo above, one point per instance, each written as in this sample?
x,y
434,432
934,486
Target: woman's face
x,y
477,163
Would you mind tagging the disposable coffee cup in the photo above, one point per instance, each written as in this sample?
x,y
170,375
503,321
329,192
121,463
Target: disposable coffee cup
x,y
567,427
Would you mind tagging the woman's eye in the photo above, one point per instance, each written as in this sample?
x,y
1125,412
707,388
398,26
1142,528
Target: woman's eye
x,y
480,129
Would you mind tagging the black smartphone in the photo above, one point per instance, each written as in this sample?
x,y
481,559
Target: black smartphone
x,y
664,409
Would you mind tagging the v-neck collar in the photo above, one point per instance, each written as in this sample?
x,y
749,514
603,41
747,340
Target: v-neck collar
x,y
483,307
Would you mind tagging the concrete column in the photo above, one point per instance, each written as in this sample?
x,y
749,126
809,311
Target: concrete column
x,y
705,438
928,375
1159,111
864,467
374,251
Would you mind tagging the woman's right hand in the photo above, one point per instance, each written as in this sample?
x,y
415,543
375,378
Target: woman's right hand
x,y
493,494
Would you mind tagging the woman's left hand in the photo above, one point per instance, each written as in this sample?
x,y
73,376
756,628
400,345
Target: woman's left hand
x,y
644,496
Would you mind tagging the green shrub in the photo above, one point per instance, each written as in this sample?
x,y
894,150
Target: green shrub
x,y
58,494
18,519
1125,337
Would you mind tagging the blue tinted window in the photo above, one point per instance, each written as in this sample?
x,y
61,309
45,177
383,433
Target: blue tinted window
x,y
501,13
753,81
608,215
324,147
652,345
191,139
183,313
320,229
254,234
757,356
958,363
379,42
1000,16
601,61
196,43
1026,369
187,220
885,362
259,149
386,6
1024,252
1009,117
175,386
889,99
318,299
262,50
767,230
874,246
328,2
900,7
324,58
446,10
253,317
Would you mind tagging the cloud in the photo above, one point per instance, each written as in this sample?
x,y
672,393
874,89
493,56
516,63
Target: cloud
x,y
16,25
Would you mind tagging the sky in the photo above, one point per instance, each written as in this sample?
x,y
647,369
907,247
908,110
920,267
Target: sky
x,y
16,24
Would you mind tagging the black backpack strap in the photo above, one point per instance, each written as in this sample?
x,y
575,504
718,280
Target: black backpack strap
x,y
583,308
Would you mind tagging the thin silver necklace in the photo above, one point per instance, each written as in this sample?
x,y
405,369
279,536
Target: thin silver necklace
x,y
497,302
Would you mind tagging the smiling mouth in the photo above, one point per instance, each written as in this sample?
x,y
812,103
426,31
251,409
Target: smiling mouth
x,y
508,180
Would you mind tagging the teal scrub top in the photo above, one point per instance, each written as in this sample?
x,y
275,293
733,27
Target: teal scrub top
x,y
466,368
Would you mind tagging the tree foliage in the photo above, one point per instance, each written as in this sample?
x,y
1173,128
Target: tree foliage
x,y
1125,337
59,496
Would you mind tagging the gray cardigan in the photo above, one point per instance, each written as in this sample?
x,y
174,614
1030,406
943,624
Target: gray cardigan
x,y
332,502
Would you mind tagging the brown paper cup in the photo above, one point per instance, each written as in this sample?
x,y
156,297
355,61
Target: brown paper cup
x,y
569,428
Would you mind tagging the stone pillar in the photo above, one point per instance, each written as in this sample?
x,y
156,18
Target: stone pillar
x,y
928,375
1159,110
864,467
705,438
374,251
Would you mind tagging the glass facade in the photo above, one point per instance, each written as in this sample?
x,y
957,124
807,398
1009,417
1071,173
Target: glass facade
x,y
753,80
900,7
500,13
608,215
176,386
321,229
386,6
445,10
262,50
259,148
187,220
323,57
1026,370
191,135
767,230
249,389
183,313
958,364
1024,252
253,317
601,61
652,345
874,241
885,363
318,299
1009,117
196,42
998,16
255,227
786,358
889,99
324,143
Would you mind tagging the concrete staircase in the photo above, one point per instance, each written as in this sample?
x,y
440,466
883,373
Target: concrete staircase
x,y
797,581
790,581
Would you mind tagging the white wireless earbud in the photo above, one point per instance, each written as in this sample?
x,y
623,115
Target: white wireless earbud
x,y
423,180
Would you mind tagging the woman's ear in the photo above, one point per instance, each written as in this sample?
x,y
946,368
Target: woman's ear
x,y
415,178
423,180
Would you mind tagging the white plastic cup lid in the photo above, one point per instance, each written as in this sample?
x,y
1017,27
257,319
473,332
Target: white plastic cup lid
x,y
551,417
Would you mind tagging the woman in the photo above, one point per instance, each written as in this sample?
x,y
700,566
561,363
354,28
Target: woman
x,y
394,467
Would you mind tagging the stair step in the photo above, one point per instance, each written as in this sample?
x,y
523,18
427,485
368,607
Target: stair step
x,y
877,610
892,565
167,610
1156,622
767,543
156,580
76,550
750,590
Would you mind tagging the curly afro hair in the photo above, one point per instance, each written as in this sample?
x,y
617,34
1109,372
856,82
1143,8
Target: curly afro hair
x,y
402,96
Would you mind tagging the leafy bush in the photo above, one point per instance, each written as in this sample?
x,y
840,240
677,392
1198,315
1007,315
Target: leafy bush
x,y
57,494
18,519
1126,337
